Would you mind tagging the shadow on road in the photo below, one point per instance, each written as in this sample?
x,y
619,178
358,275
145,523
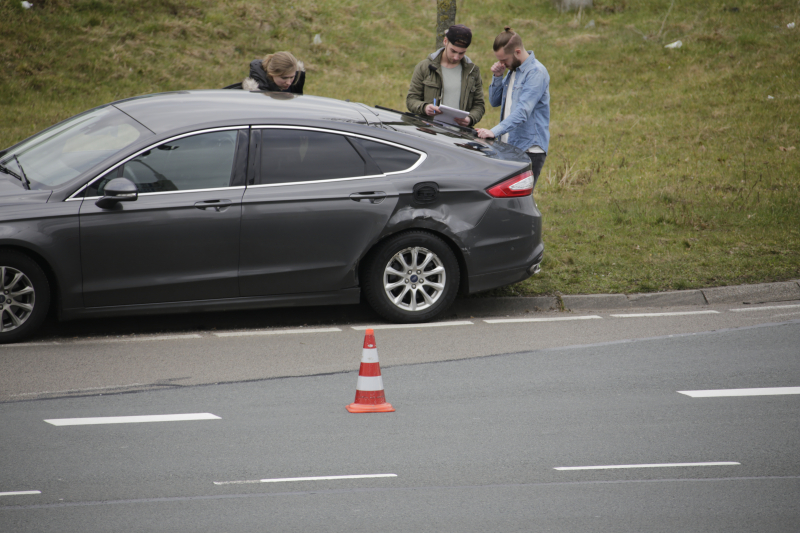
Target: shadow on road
x,y
213,321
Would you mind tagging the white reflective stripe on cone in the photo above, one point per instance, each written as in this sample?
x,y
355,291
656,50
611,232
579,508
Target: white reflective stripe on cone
x,y
367,383
369,355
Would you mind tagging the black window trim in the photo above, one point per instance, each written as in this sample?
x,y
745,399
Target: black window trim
x,y
76,195
422,155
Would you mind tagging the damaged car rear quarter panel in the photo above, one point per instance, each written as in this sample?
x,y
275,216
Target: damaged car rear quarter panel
x,y
493,235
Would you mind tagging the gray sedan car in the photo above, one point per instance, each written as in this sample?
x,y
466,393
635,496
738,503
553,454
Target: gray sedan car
x,y
215,200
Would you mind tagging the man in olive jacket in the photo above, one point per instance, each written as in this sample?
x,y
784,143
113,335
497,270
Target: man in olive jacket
x,y
448,77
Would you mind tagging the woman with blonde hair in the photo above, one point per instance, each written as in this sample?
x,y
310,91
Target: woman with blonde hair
x,y
279,72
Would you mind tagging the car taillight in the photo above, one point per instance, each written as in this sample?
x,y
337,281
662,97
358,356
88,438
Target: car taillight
x,y
519,185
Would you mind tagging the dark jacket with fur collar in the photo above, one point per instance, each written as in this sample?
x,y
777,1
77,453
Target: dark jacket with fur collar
x,y
259,81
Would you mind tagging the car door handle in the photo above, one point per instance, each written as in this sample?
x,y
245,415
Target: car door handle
x,y
216,205
374,197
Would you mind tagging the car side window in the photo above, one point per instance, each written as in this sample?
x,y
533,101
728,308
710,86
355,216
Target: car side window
x,y
389,158
203,161
290,156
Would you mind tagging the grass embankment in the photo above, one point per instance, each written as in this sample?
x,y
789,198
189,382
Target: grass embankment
x,y
667,168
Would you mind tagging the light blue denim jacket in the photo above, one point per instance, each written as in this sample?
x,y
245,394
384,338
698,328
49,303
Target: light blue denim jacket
x,y
529,121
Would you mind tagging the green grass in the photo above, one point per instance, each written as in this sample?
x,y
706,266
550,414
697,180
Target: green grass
x,y
667,169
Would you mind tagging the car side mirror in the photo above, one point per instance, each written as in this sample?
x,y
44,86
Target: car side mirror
x,y
117,190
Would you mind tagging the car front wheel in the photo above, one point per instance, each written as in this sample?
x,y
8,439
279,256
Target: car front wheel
x,y
411,277
25,296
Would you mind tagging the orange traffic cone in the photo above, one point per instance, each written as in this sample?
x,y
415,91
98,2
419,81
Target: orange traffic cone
x,y
369,389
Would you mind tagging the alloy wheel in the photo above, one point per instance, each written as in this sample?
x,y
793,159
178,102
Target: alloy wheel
x,y
18,298
414,279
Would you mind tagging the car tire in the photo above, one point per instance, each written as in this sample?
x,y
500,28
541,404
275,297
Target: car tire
x,y
411,277
26,296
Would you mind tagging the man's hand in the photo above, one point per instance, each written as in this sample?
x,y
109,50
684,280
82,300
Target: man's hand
x,y
498,69
484,133
431,110
462,121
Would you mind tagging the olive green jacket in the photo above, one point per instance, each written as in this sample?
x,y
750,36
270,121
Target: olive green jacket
x,y
426,84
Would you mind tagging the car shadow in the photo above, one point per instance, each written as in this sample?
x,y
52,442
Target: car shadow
x,y
319,316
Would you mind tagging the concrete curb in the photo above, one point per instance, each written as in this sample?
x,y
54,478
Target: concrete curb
x,y
735,294
754,294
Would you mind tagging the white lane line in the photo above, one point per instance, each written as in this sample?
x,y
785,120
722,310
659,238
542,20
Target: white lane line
x,y
26,344
318,478
107,340
662,465
552,319
718,393
405,326
20,493
138,339
674,313
130,419
743,309
275,332
786,314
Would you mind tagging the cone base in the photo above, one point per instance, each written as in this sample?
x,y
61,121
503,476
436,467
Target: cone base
x,y
367,408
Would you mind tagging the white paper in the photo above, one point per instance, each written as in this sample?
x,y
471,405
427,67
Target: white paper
x,y
449,114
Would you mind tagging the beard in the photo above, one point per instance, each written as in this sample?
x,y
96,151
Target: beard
x,y
515,63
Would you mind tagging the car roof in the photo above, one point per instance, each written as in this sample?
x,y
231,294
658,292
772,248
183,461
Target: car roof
x,y
164,112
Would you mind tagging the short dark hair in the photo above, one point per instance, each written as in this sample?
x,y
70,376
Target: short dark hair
x,y
508,40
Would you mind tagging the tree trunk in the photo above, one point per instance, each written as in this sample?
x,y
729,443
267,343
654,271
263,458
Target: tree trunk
x,y
445,17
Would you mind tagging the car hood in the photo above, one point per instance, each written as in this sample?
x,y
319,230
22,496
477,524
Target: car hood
x,y
12,193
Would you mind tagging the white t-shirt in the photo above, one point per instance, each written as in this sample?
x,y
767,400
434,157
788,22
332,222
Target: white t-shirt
x,y
507,103
507,108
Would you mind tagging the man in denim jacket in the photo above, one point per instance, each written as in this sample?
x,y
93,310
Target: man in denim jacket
x,y
525,116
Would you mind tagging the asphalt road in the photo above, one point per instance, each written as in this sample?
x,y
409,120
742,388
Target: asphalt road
x,y
487,416
119,355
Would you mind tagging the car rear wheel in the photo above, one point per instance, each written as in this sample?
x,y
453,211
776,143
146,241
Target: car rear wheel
x,y
25,296
412,277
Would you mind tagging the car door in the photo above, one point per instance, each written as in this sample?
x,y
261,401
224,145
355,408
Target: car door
x,y
316,204
179,240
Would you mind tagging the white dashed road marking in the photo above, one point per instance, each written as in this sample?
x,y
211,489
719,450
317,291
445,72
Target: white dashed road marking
x,y
407,326
767,308
318,478
20,493
719,393
675,313
248,333
141,339
662,465
551,319
28,344
275,332
130,419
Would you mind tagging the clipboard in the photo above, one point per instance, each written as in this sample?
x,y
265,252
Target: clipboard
x,y
449,114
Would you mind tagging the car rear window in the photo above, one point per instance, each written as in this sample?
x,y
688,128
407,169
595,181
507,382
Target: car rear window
x,y
389,158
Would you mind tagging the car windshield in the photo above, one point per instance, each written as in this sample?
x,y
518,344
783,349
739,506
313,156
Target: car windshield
x,y
66,150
